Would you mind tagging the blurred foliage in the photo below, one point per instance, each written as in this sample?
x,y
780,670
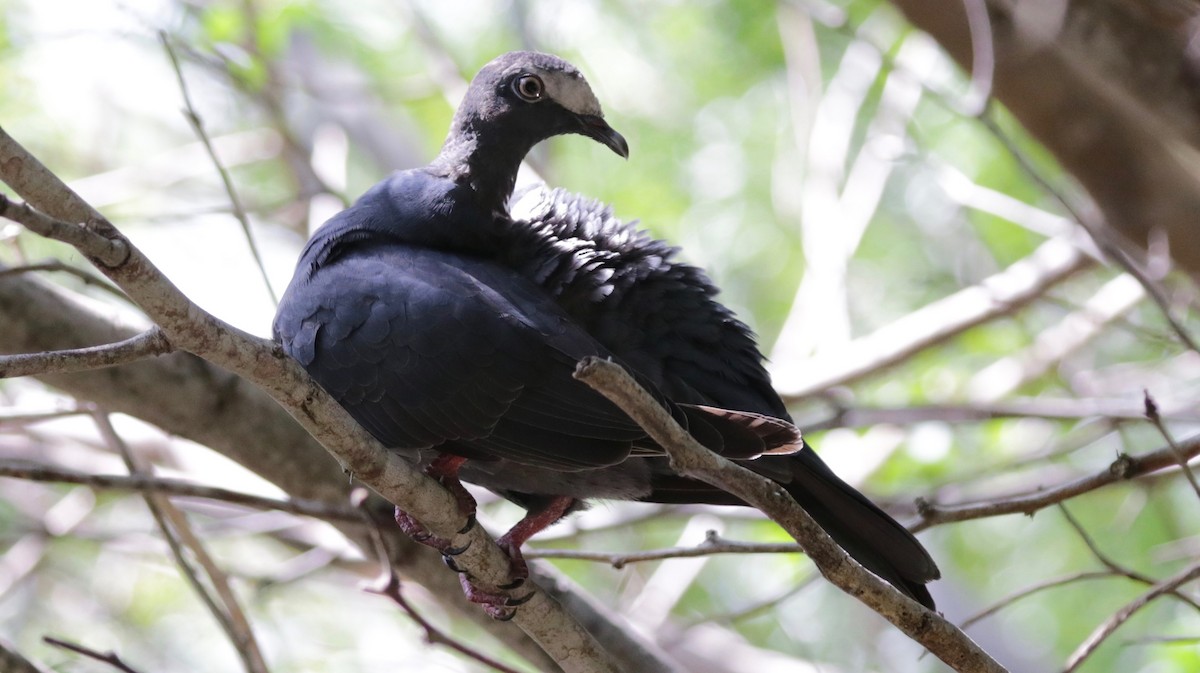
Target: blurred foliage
x,y
718,100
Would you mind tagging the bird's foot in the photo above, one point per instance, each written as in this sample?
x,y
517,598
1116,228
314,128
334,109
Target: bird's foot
x,y
419,533
444,468
499,605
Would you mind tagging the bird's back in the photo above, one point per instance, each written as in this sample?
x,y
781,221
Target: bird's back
x,y
631,292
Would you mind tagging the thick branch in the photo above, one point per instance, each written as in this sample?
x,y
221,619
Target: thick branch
x,y
942,638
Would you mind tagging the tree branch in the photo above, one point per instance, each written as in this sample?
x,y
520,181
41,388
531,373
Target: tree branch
x,y
150,343
1123,468
1121,616
178,533
712,544
688,458
142,483
109,658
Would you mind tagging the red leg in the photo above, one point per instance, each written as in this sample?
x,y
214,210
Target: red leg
x,y
534,522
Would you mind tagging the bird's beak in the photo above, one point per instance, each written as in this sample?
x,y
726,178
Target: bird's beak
x,y
594,127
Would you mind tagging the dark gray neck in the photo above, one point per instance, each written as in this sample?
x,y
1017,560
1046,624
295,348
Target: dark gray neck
x,y
485,163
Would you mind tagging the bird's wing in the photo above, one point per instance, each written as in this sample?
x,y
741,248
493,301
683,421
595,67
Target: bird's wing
x,y
424,347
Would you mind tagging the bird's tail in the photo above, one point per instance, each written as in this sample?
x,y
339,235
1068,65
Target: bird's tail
x,y
867,533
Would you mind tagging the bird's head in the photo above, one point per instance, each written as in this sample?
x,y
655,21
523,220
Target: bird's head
x,y
522,98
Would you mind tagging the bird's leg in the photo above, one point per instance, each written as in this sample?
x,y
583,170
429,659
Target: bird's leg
x,y
444,468
534,522
498,605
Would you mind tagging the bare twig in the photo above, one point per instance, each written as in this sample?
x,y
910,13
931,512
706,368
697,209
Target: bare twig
x,y
88,239
712,544
1040,586
1112,565
1123,468
388,584
178,533
109,657
1102,632
1154,417
173,487
1048,408
148,344
62,267
688,458
198,126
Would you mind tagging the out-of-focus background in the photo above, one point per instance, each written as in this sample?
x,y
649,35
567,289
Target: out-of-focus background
x,y
912,260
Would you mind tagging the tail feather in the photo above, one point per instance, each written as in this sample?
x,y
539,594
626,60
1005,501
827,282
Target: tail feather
x,y
866,532
777,435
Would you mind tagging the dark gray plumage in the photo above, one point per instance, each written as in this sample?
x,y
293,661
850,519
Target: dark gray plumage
x,y
447,327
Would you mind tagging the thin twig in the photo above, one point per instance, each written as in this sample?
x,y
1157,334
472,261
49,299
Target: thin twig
x,y
1123,468
1112,565
198,126
1054,409
712,544
178,535
62,267
388,584
1156,419
148,344
1110,625
143,483
109,657
1029,591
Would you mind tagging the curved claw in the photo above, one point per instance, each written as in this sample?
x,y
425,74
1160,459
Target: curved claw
x,y
513,602
453,565
467,527
516,583
455,551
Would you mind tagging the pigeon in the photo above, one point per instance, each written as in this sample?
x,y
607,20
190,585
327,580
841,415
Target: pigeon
x,y
450,329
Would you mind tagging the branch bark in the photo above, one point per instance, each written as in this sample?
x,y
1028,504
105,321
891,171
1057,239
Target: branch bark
x,y
1124,467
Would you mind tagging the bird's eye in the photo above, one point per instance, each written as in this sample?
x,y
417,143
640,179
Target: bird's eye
x,y
529,87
